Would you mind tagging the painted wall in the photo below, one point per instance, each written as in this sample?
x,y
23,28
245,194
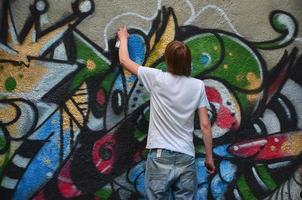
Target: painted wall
x,y
73,124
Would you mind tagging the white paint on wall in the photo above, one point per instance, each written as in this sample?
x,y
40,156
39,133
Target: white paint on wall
x,y
149,19
215,8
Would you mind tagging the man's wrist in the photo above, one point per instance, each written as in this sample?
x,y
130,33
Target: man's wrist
x,y
123,39
209,157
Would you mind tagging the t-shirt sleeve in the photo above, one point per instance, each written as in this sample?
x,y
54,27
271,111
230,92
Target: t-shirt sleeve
x,y
147,76
203,101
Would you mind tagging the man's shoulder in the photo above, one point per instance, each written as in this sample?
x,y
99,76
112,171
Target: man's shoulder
x,y
148,73
196,81
141,67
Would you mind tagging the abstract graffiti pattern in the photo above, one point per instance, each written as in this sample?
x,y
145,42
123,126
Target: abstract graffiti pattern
x,y
73,124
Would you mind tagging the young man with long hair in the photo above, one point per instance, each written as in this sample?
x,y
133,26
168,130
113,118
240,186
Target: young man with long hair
x,y
174,98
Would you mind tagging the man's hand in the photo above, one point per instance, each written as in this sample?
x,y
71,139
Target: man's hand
x,y
210,165
124,58
122,33
205,127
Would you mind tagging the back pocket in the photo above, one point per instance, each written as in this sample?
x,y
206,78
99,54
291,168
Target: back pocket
x,y
159,181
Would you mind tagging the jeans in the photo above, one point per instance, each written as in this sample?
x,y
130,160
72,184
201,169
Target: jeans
x,y
170,173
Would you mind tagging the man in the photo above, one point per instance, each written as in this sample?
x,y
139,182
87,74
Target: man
x,y
174,98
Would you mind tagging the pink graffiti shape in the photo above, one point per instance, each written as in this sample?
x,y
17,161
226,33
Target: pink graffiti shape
x,y
65,183
225,118
40,196
104,163
101,97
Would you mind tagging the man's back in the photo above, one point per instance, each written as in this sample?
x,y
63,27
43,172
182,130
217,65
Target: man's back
x,y
174,100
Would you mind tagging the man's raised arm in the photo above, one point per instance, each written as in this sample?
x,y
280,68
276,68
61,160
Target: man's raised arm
x,y
124,58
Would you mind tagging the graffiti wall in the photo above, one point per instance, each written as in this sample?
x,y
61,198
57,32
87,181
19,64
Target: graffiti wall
x,y
73,123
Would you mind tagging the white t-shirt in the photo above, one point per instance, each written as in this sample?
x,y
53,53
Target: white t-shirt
x,y
173,102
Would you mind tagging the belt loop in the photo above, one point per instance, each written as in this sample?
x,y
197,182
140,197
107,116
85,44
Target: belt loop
x,y
158,152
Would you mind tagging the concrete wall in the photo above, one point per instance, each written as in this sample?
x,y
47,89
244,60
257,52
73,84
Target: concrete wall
x,y
73,124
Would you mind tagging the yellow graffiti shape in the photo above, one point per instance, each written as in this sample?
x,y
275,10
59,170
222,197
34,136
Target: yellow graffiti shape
x,y
254,83
90,64
75,112
167,36
152,40
30,46
293,146
77,107
7,113
26,77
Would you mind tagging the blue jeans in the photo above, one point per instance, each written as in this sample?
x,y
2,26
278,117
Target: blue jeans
x,y
169,172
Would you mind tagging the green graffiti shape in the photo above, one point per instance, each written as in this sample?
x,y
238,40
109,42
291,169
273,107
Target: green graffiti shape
x,y
86,53
10,84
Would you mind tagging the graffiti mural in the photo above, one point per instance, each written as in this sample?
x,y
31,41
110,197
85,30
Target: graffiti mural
x,y
73,123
